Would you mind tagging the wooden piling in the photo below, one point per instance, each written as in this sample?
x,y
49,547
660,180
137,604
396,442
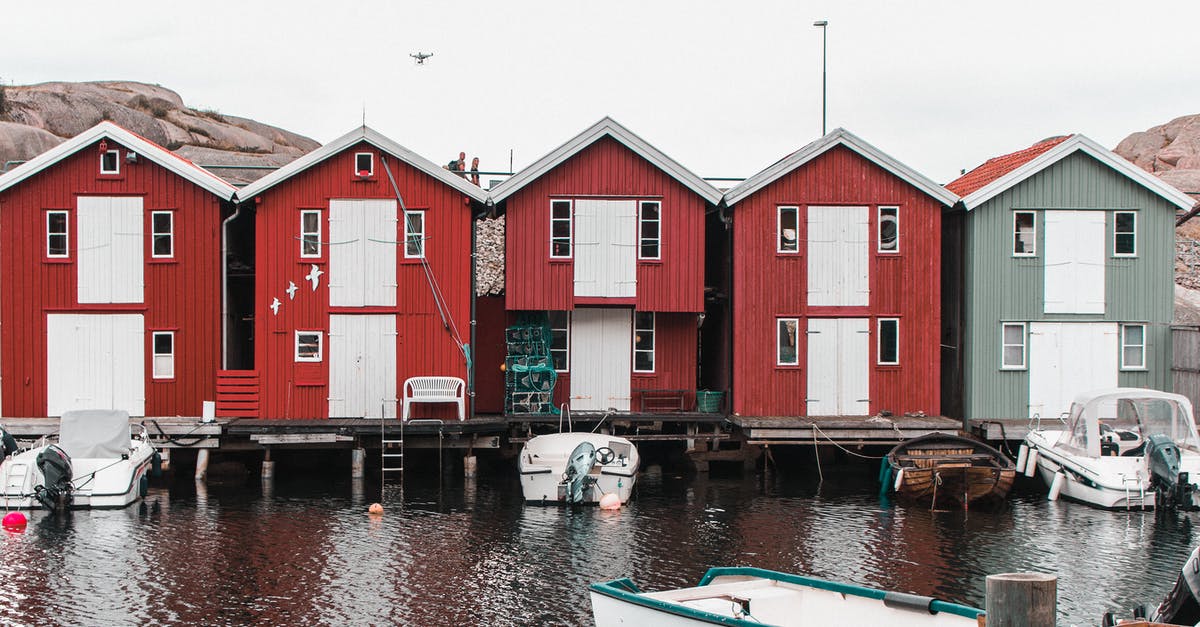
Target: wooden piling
x,y
1021,600
358,459
201,464
470,463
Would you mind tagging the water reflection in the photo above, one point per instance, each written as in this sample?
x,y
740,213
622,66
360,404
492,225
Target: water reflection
x,y
472,552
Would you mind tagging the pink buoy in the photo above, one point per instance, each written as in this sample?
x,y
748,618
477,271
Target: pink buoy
x,y
15,520
375,509
610,501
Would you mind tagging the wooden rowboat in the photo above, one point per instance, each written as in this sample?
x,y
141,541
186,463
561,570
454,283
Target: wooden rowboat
x,y
948,470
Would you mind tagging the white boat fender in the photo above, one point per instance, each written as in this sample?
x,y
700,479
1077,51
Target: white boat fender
x,y
1022,455
1056,486
1031,462
899,480
610,501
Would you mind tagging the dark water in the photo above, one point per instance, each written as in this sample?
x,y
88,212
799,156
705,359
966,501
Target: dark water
x,y
474,553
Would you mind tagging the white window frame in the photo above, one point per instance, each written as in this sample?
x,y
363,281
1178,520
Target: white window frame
x,y
320,347
653,341
779,211
1134,234
779,326
1013,235
418,236
116,160
1024,346
879,342
154,355
642,239
169,233
1126,345
303,233
566,349
370,156
879,230
66,234
570,239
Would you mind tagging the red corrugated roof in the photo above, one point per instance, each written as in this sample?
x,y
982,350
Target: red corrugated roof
x,y
997,167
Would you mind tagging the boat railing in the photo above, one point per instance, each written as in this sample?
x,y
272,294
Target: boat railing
x,y
1035,421
565,410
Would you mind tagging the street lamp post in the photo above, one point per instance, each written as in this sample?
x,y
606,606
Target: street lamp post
x,y
822,24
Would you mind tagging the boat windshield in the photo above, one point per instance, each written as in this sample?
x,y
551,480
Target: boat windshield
x,y
1122,423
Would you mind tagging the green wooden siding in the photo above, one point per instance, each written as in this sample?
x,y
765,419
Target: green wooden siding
x,y
1001,288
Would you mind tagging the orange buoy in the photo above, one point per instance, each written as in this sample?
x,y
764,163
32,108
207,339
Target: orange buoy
x,y
375,509
610,501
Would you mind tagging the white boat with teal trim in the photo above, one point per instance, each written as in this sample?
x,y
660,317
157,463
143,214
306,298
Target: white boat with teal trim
x,y
746,597
578,467
1119,448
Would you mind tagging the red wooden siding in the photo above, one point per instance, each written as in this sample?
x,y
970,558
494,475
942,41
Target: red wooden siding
x,y
768,285
182,294
424,346
489,354
605,169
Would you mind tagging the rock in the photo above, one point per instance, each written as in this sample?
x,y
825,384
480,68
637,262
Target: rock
x,y
22,143
489,256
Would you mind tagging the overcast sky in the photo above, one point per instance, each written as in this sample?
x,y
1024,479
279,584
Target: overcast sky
x,y
726,88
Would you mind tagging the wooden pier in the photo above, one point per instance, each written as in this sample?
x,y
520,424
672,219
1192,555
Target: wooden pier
x,y
841,430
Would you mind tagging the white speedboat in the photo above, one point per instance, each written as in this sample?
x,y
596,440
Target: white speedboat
x,y
578,467
748,597
96,462
1119,448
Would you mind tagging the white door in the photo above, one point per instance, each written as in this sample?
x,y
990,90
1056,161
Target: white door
x,y
95,361
1066,359
839,367
839,240
363,238
1074,262
111,249
362,366
606,248
601,357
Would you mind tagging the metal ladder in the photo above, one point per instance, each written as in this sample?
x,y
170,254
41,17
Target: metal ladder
x,y
1130,499
391,462
15,477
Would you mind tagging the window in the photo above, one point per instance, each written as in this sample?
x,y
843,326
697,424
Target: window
x,y
1125,234
364,164
1133,347
1024,234
889,342
560,229
560,339
785,334
414,234
1012,345
643,341
110,162
57,241
788,230
163,345
889,230
308,345
650,228
162,234
310,233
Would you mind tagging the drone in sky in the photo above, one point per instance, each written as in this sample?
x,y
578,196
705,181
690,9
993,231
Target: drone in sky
x,y
421,56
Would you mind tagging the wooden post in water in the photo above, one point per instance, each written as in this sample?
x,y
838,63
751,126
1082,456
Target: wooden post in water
x,y
201,464
470,463
358,459
1021,600
268,466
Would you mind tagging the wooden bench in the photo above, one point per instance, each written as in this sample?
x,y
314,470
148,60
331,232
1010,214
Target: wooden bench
x,y
662,400
434,390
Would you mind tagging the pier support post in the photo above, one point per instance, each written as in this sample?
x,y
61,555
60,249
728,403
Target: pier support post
x,y
1021,600
201,464
268,466
358,458
469,465
166,458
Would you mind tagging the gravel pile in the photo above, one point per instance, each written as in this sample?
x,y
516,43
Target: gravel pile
x,y
1187,262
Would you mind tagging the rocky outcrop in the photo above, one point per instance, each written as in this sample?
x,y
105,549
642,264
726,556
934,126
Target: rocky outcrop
x,y
1171,151
40,116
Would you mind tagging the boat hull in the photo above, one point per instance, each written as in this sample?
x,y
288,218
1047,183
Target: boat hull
x,y
543,461
99,483
942,470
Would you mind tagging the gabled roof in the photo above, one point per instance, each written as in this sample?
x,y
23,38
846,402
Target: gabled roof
x,y
610,128
142,146
999,174
838,137
377,140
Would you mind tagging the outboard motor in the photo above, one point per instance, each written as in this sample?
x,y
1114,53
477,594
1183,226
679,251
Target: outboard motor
x,y
1181,607
1171,487
576,478
8,444
55,492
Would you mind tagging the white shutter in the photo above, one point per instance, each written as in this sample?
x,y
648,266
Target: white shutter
x,y
623,230
128,250
380,235
93,240
856,246
95,361
128,363
1074,257
587,249
1066,359
601,352
854,353
822,252
362,366
823,372
606,248
379,366
839,241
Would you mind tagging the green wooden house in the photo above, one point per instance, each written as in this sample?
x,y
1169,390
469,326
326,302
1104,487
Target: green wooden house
x,y
1058,278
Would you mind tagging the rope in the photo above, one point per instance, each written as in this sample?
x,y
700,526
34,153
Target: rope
x,y
817,429
176,440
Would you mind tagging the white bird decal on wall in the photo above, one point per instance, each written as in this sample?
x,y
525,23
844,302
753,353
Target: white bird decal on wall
x,y
275,306
314,276
291,290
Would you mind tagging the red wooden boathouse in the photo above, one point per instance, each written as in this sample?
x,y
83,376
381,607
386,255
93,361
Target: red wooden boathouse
x,y
836,280
362,278
606,235
110,249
